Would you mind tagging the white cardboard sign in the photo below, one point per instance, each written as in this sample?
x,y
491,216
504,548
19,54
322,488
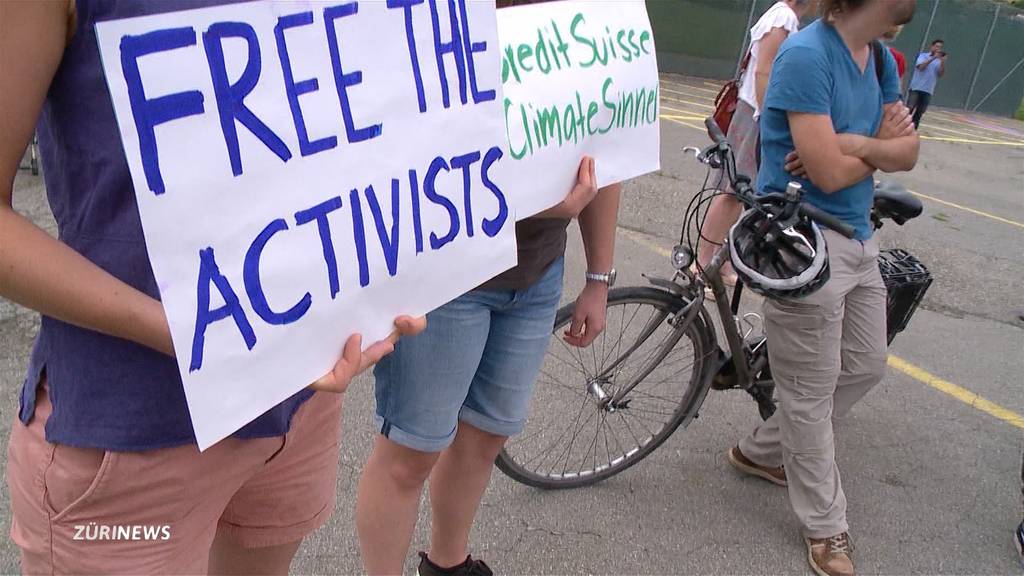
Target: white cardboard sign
x,y
580,77
305,171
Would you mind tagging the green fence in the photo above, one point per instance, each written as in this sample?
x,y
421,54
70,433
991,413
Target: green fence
x,y
984,39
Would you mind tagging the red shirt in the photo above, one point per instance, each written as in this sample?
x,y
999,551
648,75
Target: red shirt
x,y
901,62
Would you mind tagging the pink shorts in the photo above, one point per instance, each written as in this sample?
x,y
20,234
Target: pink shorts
x,y
83,510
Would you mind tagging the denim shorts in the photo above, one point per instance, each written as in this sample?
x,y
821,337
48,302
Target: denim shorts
x,y
476,363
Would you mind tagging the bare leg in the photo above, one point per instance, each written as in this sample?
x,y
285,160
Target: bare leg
x,y
456,487
722,214
388,504
228,558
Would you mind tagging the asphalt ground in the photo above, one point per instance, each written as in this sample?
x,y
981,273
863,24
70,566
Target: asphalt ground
x,y
930,459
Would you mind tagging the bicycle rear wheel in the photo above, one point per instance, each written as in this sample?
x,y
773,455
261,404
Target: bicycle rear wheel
x,y
573,436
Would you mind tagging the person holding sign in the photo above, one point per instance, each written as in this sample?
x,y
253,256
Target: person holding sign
x,y
449,398
104,473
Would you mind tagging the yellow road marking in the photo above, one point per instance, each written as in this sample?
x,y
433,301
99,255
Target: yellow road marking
x,y
705,99
962,394
642,240
966,209
968,141
682,117
682,122
691,86
684,111
949,118
954,119
961,133
682,101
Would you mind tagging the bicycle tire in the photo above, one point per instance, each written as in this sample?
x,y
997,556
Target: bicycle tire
x,y
696,333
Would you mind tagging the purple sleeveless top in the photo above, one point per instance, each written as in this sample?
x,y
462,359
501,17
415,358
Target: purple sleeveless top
x,y
107,392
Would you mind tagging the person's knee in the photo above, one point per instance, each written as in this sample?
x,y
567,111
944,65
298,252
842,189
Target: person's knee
x,y
402,468
875,364
477,446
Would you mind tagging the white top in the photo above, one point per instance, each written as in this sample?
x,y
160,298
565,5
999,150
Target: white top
x,y
780,15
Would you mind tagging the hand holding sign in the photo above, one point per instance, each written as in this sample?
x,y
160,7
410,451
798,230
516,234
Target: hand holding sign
x,y
354,360
580,196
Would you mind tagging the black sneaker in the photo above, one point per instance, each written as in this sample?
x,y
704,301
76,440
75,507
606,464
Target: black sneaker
x,y
1018,539
468,568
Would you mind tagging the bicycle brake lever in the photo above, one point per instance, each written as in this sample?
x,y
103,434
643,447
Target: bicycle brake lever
x,y
794,234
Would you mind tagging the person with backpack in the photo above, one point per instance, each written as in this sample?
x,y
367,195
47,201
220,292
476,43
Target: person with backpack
x,y
771,29
103,469
831,118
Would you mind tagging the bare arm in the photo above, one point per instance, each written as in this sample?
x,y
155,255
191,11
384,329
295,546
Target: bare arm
x,y
766,52
925,64
942,66
822,156
896,145
892,155
893,149
36,270
597,226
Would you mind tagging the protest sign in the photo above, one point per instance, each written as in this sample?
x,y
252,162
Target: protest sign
x,y
304,171
580,77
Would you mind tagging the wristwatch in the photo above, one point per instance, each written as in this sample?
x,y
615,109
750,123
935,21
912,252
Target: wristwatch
x,y
608,278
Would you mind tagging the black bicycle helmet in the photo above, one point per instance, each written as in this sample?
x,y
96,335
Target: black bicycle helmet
x,y
778,263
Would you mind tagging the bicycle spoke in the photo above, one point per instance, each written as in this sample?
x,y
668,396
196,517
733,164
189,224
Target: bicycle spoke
x,y
638,349
572,442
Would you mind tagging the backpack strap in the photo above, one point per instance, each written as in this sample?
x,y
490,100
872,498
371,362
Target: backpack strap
x,y
876,49
743,66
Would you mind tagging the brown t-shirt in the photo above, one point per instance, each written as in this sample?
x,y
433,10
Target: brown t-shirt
x,y
540,242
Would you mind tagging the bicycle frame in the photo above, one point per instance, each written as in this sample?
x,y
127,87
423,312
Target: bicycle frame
x,y
713,278
712,273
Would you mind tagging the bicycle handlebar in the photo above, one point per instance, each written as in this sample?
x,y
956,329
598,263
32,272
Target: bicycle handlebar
x,y
827,220
743,188
714,130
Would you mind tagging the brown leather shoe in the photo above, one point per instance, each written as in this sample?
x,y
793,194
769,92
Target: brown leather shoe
x,y
831,556
748,466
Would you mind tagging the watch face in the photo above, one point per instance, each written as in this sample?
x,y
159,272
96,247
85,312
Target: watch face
x,y
611,277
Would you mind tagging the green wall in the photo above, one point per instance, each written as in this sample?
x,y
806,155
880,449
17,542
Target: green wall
x,y
705,38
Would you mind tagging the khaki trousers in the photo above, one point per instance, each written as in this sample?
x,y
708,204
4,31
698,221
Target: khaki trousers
x,y
826,350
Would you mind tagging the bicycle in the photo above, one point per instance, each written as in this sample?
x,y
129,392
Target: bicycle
x,y
597,412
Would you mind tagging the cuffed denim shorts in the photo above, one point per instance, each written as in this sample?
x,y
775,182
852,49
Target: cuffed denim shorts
x,y
476,363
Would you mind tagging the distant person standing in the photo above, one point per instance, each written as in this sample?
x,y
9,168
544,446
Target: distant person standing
x,y
931,65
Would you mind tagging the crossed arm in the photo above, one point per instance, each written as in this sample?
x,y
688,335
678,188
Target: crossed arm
x,y
836,161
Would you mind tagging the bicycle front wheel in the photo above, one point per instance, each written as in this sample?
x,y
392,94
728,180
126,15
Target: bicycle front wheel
x,y
575,434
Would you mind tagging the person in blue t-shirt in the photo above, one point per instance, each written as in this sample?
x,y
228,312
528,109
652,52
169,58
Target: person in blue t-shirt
x,y
830,120
930,66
